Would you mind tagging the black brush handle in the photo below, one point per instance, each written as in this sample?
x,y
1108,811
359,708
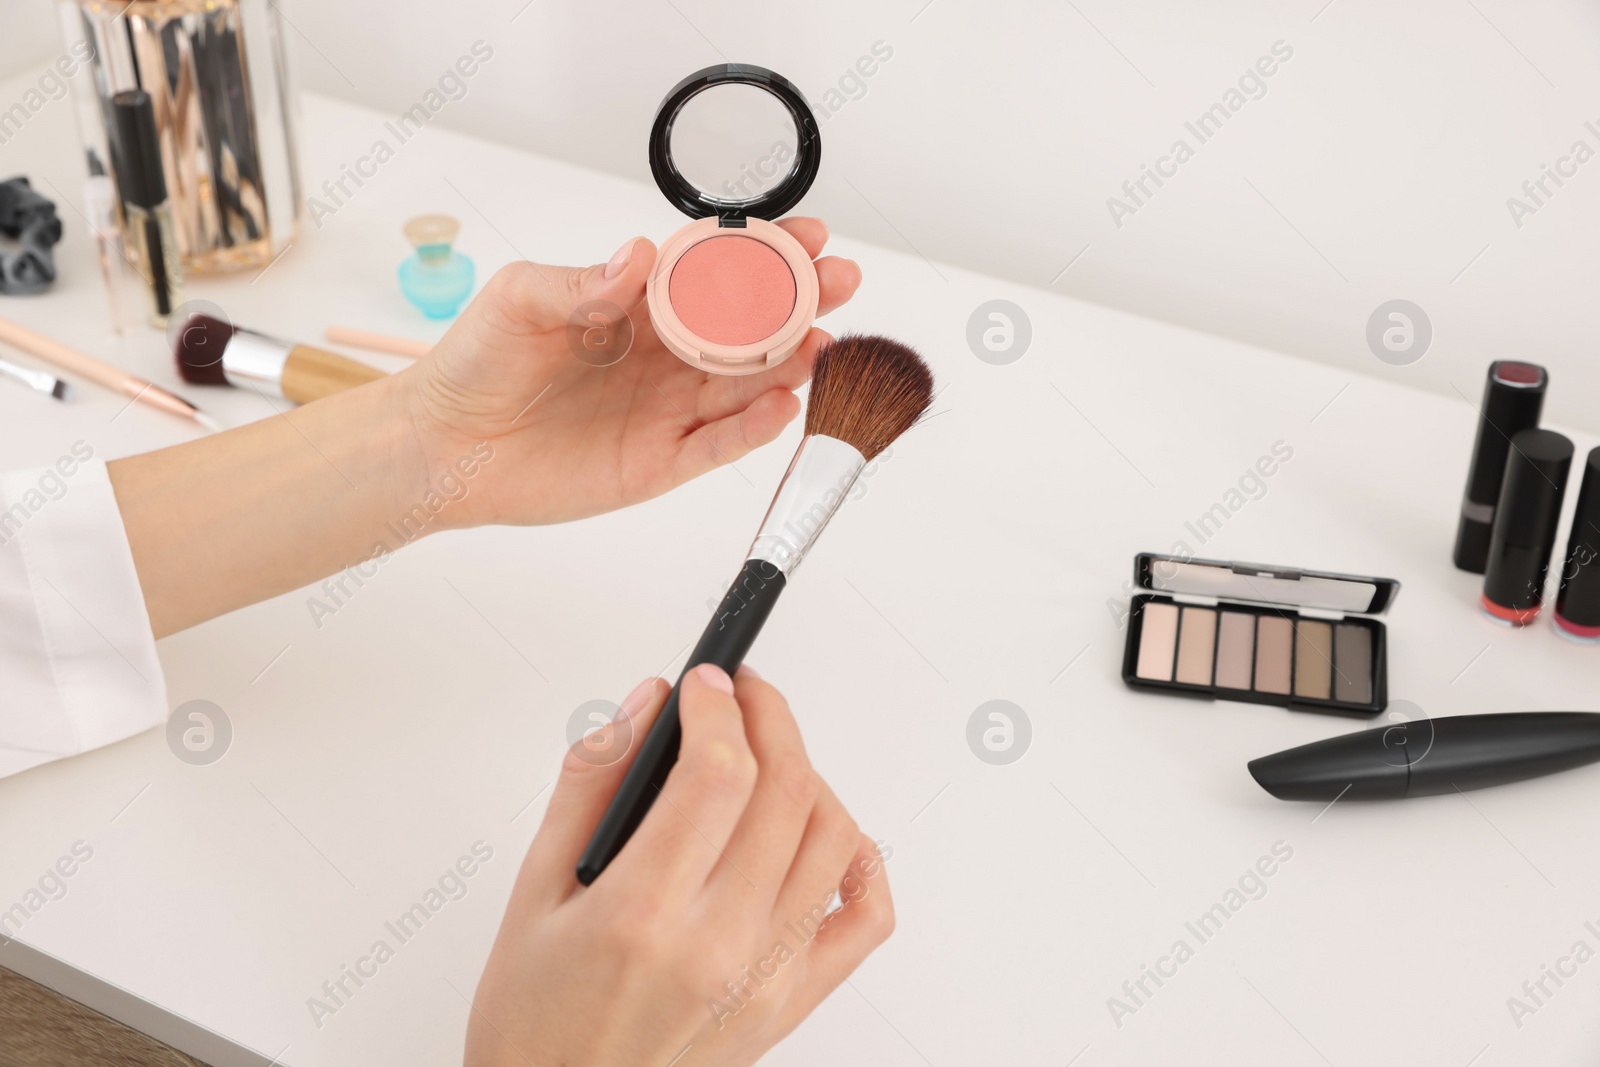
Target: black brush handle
x,y
729,635
1432,756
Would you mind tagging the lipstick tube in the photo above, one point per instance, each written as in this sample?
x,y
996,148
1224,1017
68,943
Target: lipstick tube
x,y
1512,399
1525,526
1577,613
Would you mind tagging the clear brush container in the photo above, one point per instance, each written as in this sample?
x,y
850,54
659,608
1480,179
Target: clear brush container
x,y
225,117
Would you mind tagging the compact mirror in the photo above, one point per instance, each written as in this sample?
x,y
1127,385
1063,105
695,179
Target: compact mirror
x,y
734,140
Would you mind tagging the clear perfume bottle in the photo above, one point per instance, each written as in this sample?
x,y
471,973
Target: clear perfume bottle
x,y
148,235
122,278
436,278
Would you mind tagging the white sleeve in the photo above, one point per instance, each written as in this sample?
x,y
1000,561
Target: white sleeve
x,y
78,665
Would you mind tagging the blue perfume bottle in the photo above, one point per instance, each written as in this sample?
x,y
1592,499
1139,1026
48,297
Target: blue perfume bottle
x,y
436,278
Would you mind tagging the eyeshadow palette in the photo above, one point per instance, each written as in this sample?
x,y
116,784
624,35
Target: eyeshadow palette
x,y
1268,635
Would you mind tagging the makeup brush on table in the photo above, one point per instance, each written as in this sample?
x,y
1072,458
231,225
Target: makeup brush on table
x,y
40,380
212,352
865,392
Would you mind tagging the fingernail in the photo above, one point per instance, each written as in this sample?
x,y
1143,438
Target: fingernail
x,y
635,701
619,262
745,668
715,677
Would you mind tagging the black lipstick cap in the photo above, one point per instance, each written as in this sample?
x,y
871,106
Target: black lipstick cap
x,y
1525,525
1578,603
140,179
1512,400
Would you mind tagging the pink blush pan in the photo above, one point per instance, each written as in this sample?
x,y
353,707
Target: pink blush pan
x,y
732,300
732,290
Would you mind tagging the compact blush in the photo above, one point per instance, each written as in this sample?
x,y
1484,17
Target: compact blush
x,y
733,147
1240,631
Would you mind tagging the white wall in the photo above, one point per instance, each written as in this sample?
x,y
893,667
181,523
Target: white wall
x,y
28,36
1376,166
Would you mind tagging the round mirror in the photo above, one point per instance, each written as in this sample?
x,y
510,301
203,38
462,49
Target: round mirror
x,y
734,142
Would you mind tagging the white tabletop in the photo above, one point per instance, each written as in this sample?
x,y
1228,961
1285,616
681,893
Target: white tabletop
x,y
984,562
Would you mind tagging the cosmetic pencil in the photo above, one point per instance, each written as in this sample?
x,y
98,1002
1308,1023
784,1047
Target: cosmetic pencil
x,y
378,342
865,392
1429,757
74,362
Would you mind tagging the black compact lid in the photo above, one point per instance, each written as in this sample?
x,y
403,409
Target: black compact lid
x,y
138,162
750,197
1255,583
1535,482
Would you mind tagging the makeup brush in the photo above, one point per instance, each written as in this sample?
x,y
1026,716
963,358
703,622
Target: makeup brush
x,y
42,380
865,392
1427,757
212,352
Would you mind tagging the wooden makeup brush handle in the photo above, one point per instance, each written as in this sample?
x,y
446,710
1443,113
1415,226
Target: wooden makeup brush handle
x,y
311,374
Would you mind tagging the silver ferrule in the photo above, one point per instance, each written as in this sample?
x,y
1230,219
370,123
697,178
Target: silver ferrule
x,y
818,480
254,359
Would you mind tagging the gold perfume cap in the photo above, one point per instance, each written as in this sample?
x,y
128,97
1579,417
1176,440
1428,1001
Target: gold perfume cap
x,y
432,235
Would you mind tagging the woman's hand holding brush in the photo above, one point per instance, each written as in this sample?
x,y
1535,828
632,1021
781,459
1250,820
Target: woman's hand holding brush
x,y
714,938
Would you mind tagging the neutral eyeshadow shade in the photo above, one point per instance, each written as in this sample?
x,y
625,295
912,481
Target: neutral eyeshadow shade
x,y
1352,659
1236,645
1274,649
732,290
1197,642
1313,659
1158,636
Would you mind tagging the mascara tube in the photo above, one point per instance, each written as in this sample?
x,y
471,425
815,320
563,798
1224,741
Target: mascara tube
x,y
148,234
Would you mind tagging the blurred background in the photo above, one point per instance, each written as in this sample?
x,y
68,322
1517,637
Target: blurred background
x,y
1384,157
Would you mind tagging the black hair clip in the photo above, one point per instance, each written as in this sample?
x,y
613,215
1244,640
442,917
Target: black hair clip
x,y
30,219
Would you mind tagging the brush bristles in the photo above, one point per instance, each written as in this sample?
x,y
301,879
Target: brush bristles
x,y
198,346
866,391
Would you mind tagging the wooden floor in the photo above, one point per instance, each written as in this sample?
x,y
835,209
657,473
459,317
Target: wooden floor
x,y
41,1028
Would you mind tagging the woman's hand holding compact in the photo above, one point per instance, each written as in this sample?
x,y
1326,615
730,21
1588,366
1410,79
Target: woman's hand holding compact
x,y
519,370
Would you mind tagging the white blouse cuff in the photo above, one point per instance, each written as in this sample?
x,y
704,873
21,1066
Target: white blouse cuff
x,y
77,656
